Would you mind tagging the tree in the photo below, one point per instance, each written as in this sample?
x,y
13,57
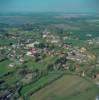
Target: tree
x,y
50,67
72,68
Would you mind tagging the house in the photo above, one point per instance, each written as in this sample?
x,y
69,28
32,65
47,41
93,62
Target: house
x,y
11,65
83,74
54,41
33,51
83,50
1,47
30,45
44,36
97,76
29,53
21,60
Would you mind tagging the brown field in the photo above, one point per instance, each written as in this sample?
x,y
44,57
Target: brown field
x,y
67,88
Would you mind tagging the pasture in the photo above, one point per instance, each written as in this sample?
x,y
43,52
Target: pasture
x,y
67,88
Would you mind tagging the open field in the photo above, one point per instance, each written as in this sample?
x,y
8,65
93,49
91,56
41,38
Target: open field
x,y
40,83
42,64
67,88
4,67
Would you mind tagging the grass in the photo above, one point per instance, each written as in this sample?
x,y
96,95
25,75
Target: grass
x,y
6,41
4,67
41,64
75,42
41,82
67,88
11,80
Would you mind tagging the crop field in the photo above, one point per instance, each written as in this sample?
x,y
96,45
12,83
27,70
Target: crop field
x,y
67,88
40,83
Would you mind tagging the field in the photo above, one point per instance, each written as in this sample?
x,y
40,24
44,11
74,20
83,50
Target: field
x,y
40,83
42,64
4,67
67,88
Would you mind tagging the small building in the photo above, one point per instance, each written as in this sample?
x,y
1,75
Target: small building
x,y
29,53
30,45
11,65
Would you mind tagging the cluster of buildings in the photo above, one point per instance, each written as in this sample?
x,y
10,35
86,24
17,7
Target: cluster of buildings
x,y
81,55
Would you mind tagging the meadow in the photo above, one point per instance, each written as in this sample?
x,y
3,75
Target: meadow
x,y
67,88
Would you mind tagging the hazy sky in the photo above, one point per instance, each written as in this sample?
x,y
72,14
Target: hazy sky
x,y
49,5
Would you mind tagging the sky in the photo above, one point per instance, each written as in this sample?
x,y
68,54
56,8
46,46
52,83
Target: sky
x,y
49,6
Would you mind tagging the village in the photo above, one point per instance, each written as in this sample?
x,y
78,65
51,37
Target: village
x,y
50,55
28,60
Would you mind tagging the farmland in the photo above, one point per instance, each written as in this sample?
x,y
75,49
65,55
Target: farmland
x,y
40,83
67,88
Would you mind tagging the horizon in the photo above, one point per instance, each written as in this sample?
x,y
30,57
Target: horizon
x,y
33,6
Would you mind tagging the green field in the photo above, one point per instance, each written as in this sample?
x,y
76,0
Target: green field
x,y
4,67
42,64
40,83
67,88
